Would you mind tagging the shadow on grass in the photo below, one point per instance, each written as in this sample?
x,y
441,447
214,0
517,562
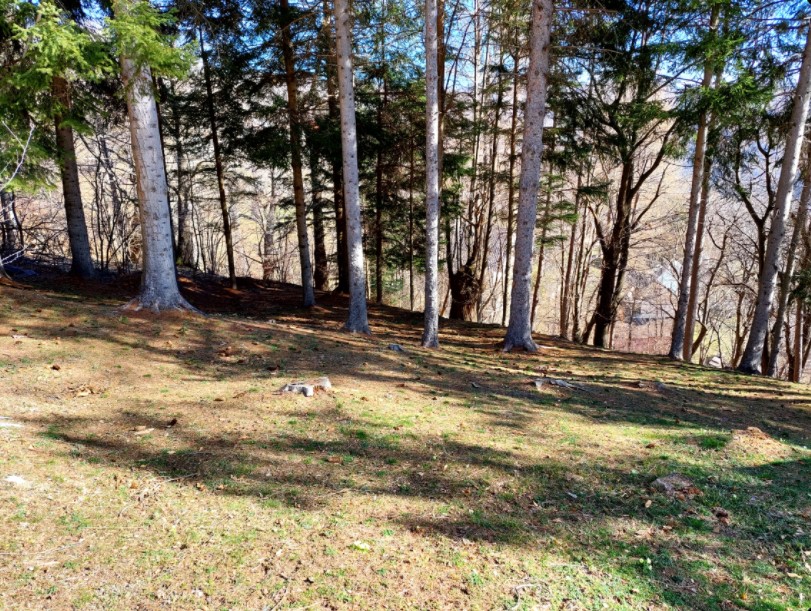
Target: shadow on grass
x,y
589,514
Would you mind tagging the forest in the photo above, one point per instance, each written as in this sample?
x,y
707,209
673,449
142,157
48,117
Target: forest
x,y
389,304
668,135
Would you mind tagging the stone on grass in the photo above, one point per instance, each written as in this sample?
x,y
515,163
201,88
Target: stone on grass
x,y
673,484
308,390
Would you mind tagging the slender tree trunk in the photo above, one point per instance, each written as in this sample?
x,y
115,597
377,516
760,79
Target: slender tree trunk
x,y
295,158
510,193
411,230
342,249
536,291
692,304
519,331
218,165
379,196
81,261
321,273
159,289
491,188
752,356
798,343
678,337
430,335
784,291
566,292
357,321
185,241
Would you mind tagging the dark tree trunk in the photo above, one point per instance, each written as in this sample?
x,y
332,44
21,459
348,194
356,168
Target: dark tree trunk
x,y
81,261
218,165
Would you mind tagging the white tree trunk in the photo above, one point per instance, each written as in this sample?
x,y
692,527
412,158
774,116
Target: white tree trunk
x,y
753,353
430,336
519,331
357,321
680,323
788,270
159,290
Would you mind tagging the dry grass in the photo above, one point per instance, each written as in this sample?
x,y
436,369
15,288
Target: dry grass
x,y
162,470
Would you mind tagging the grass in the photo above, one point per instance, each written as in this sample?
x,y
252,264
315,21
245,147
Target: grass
x,y
165,471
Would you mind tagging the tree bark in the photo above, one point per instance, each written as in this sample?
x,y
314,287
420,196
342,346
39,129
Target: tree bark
x,y
510,194
295,158
81,262
566,292
784,292
357,321
753,353
430,335
678,336
321,271
218,165
519,331
692,303
536,291
159,289
797,369
342,254
185,239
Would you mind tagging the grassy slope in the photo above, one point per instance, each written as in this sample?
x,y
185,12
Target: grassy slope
x,y
422,480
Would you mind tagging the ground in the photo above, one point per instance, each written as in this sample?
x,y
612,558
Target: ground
x,y
151,463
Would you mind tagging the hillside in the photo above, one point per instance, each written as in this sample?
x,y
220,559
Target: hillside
x,y
151,463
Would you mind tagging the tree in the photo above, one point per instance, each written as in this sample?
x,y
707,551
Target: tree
x,y
357,321
753,353
58,52
680,323
295,155
430,333
141,46
218,164
519,330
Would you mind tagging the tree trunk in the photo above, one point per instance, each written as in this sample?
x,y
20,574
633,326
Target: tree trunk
x,y
430,335
159,289
510,193
536,291
218,165
357,321
752,356
185,239
81,261
692,303
615,251
678,336
519,331
784,292
321,273
295,158
491,189
342,248
411,230
566,292
798,344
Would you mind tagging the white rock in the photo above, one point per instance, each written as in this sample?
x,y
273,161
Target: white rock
x,y
18,481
